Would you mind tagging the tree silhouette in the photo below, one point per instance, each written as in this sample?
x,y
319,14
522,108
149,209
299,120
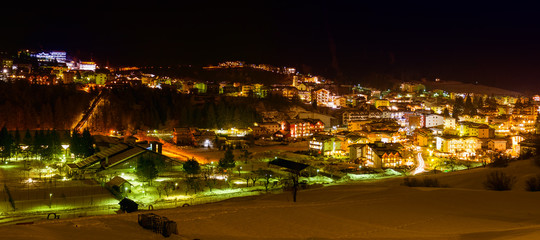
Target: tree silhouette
x,y
227,162
192,167
148,167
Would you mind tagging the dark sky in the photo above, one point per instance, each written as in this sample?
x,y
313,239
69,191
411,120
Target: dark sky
x,y
485,42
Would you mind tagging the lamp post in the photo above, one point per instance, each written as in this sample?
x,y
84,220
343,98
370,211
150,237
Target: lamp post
x,y
65,147
24,147
50,200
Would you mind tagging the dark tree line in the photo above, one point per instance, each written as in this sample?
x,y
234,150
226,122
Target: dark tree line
x,y
469,105
27,106
146,108
82,145
46,145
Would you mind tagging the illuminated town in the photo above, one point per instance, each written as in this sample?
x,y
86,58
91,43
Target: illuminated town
x,y
83,141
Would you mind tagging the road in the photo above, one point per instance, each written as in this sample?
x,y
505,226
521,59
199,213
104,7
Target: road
x,y
421,164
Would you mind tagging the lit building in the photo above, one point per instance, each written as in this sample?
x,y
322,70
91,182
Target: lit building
x,y
101,78
411,87
201,87
453,144
302,128
271,127
497,144
326,145
246,89
351,116
324,97
87,66
433,120
304,96
357,125
422,137
381,103
416,121
314,79
289,92
485,131
53,56
449,123
377,155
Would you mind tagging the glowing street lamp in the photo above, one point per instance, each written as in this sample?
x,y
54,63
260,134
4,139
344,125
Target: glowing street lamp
x,y
65,147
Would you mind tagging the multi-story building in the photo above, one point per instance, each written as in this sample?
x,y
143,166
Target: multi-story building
x,y
357,125
485,131
433,120
497,144
381,103
377,155
53,56
324,97
326,145
360,115
466,146
301,128
271,127
449,123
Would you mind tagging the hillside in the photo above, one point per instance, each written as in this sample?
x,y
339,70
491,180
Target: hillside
x,y
240,75
460,87
361,210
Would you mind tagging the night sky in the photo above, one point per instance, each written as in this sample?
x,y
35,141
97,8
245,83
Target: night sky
x,y
489,43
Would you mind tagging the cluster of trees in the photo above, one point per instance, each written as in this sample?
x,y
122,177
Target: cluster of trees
x,y
27,106
82,145
469,105
45,145
146,108
149,166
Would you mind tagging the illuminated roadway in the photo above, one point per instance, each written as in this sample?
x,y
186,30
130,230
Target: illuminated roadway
x,y
421,164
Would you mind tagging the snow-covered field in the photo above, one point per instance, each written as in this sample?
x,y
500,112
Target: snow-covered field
x,y
378,209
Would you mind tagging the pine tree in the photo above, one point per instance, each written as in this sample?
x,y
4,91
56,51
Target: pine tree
x,y
469,107
17,138
75,143
38,143
148,167
6,143
191,167
56,146
479,102
446,113
27,140
227,162
87,142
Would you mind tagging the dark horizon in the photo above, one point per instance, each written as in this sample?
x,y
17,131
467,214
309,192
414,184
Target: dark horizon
x,y
491,44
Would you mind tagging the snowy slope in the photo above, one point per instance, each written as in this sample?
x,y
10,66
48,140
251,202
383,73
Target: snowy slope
x,y
374,210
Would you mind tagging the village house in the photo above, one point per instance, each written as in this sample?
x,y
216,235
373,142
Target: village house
x,y
377,155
